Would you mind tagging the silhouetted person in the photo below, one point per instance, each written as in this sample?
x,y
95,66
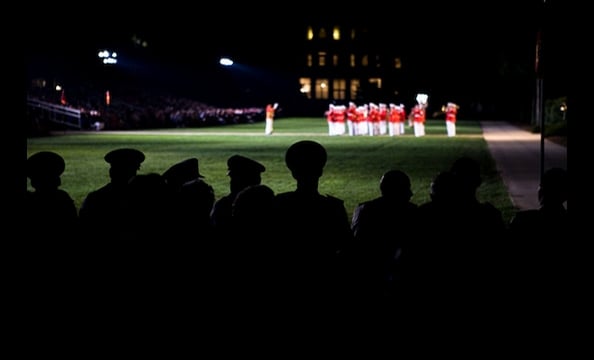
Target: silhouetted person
x,y
430,256
250,247
543,256
242,172
457,258
381,227
50,211
477,216
148,208
49,228
103,212
312,231
192,200
251,212
551,217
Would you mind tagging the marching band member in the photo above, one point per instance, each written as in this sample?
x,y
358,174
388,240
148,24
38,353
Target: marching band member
x,y
270,110
418,116
340,113
451,110
382,116
402,111
396,120
362,121
373,119
352,119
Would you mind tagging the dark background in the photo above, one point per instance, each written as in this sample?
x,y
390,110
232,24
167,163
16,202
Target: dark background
x,y
479,49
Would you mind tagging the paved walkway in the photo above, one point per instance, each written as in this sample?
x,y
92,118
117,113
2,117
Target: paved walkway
x,y
517,155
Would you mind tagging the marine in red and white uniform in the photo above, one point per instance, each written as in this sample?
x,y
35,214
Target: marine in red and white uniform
x,y
451,111
418,116
395,120
373,119
383,119
352,119
340,113
362,120
270,110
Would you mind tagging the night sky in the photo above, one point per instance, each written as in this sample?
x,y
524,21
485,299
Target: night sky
x,y
444,42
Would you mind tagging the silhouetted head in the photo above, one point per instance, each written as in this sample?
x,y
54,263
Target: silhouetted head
x,y
553,187
124,163
125,157
468,172
243,172
44,169
253,202
306,157
182,172
444,187
396,183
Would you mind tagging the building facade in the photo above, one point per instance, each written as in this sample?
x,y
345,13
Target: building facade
x,y
340,64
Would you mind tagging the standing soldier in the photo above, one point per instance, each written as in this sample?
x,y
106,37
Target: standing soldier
x,y
340,113
362,120
451,110
270,110
402,111
383,117
352,119
373,119
418,116
396,120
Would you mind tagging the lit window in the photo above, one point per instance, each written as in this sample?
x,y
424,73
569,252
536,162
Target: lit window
x,y
310,33
365,60
355,85
321,58
352,60
376,81
322,33
305,87
339,89
309,60
335,60
336,33
397,63
321,92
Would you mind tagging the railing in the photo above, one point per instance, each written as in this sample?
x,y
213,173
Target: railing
x,y
58,113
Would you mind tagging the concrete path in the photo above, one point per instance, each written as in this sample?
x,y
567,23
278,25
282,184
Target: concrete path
x,y
517,154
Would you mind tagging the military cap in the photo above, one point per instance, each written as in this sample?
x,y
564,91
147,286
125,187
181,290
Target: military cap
x,y
238,164
125,157
183,171
45,163
306,154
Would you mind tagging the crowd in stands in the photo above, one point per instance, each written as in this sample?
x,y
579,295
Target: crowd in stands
x,y
166,236
144,110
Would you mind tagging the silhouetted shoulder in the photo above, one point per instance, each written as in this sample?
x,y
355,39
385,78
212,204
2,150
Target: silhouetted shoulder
x,y
333,200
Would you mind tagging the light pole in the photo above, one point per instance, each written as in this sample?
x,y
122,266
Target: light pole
x,y
538,103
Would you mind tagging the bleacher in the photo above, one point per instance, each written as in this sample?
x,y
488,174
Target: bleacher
x,y
44,114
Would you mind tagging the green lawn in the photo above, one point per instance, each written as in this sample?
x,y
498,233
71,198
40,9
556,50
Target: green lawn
x,y
355,164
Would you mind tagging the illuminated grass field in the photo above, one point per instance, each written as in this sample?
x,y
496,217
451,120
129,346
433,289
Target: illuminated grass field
x,y
355,163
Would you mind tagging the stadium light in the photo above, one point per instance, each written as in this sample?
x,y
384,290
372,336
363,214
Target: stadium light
x,y
108,58
225,61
